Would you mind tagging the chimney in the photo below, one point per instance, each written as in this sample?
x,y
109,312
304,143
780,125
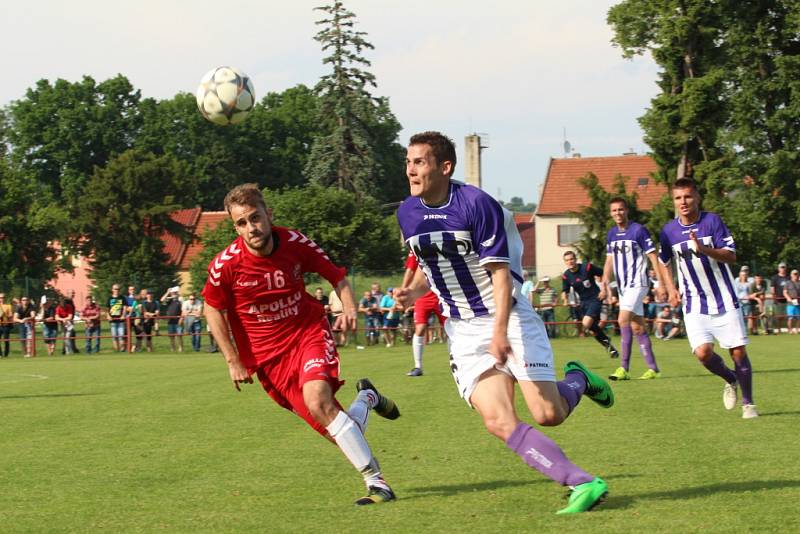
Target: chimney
x,y
472,160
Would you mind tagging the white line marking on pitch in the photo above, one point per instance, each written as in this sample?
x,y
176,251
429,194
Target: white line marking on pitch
x,y
22,378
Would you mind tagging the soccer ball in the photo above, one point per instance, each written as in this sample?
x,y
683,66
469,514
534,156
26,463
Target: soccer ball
x,y
225,96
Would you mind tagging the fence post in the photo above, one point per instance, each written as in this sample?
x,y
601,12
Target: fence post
x,y
128,334
33,336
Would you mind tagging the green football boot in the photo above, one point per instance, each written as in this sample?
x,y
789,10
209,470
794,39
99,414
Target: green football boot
x,y
650,374
619,374
585,496
597,389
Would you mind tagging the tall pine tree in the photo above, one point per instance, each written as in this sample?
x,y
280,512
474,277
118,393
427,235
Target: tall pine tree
x,y
356,150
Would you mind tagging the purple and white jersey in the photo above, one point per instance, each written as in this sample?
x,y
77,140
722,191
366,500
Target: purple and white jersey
x,y
454,241
705,283
629,248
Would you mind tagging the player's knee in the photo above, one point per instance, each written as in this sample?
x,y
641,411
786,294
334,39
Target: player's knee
x,y
321,410
501,427
549,416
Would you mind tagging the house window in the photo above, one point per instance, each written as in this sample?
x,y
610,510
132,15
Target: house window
x,y
642,181
569,234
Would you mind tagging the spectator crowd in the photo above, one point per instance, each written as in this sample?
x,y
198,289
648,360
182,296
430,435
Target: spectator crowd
x,y
768,304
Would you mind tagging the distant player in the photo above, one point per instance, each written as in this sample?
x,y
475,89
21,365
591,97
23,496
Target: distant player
x,y
282,334
469,253
628,249
703,248
424,307
581,278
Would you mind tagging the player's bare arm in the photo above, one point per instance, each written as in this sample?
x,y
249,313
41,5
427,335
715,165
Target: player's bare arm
x,y
723,255
345,293
608,269
666,280
219,329
500,347
407,295
661,290
408,277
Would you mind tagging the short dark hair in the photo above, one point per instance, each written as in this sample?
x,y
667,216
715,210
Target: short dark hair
x,y
618,200
569,253
443,148
245,195
684,183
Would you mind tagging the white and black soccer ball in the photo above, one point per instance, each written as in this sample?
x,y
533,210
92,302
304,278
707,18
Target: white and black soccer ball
x,y
225,96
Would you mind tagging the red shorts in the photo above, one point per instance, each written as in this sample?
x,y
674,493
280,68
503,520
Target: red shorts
x,y
315,358
425,306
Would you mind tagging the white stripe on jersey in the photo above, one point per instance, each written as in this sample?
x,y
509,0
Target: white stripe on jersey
x,y
704,281
458,276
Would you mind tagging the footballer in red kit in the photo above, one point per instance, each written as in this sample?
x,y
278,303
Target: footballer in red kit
x,y
255,286
423,308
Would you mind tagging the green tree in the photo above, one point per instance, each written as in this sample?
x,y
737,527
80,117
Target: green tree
x,y
517,205
728,113
59,132
123,213
596,216
270,148
356,149
28,226
349,228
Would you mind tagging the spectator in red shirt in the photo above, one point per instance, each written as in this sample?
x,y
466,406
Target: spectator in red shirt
x,y
65,315
281,332
91,318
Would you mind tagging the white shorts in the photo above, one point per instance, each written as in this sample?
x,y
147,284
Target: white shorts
x,y
632,300
469,341
728,328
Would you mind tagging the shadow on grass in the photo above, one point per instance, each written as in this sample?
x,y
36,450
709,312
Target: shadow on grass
x,y
618,502
454,489
775,414
47,396
701,374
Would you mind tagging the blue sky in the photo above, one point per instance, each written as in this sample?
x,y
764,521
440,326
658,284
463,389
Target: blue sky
x,y
520,71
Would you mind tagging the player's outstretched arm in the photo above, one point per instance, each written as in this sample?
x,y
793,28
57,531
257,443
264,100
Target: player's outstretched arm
x,y
408,294
219,329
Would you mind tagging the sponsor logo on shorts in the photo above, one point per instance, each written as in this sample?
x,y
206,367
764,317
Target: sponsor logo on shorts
x,y
536,364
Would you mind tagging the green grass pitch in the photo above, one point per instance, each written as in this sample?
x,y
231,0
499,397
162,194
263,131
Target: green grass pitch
x,y
161,441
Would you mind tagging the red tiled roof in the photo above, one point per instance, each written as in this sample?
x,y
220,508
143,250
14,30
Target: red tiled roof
x,y
523,217
562,194
208,220
174,248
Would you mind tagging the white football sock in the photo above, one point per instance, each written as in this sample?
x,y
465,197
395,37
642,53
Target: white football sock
x,y
351,441
359,409
418,345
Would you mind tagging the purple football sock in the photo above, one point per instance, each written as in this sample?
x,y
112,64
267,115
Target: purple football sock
x,y
744,375
542,453
717,366
627,340
572,388
647,350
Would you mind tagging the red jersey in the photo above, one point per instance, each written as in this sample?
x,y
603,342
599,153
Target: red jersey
x,y
265,298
